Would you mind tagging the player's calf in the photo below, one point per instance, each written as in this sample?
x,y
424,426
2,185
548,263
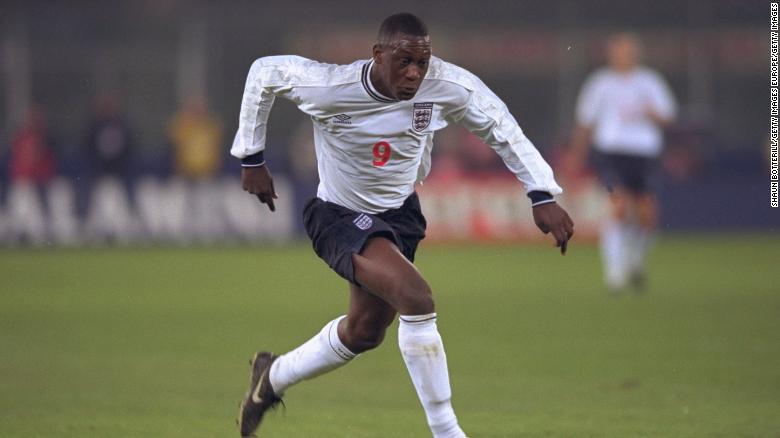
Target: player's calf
x,y
360,340
361,333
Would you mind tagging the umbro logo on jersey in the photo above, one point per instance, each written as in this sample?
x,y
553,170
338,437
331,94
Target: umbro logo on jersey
x,y
343,119
363,221
421,116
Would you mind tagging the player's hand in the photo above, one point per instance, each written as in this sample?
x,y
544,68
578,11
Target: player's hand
x,y
551,218
258,181
656,117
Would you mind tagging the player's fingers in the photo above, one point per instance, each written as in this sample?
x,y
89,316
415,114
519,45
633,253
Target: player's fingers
x,y
569,228
266,198
273,190
560,236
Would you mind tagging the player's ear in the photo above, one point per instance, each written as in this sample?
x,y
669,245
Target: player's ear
x,y
376,51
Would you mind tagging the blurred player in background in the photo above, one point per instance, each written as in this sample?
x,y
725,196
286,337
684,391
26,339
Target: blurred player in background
x,y
109,140
32,159
622,110
374,122
196,137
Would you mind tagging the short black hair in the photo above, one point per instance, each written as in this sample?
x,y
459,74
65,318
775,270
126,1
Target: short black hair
x,y
403,22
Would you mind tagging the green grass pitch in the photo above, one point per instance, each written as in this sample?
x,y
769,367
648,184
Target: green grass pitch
x,y
154,343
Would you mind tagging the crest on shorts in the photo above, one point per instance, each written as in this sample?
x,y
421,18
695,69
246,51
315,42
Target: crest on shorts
x,y
363,221
421,116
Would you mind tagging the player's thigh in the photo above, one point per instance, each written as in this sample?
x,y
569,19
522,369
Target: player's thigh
x,y
620,201
383,270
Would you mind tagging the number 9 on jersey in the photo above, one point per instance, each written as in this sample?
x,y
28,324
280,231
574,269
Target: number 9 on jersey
x,y
382,153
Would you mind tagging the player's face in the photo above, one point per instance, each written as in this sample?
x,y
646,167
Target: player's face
x,y
402,64
623,52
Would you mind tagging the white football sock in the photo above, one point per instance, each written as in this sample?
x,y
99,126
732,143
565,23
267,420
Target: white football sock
x,y
320,354
614,254
423,352
641,240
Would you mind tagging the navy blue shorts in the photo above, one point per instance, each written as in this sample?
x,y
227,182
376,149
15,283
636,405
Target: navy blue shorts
x,y
337,232
636,174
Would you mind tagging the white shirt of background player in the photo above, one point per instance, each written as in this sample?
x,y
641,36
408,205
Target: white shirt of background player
x,y
615,105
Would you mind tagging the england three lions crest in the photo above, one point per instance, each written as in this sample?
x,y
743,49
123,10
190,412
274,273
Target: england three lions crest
x,y
421,116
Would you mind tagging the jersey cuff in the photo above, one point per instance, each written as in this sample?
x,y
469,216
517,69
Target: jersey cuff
x,y
255,160
539,197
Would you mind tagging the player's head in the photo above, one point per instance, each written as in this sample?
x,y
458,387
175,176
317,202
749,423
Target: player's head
x,y
623,51
401,55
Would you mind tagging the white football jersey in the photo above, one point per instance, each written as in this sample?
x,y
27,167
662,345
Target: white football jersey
x,y
615,105
371,149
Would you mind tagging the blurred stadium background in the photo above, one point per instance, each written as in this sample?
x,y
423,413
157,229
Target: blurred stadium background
x,y
172,73
128,108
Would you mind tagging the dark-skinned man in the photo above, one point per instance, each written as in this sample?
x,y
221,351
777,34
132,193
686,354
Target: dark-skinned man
x,y
374,122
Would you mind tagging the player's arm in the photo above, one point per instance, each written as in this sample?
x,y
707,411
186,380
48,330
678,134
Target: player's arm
x,y
264,82
585,112
662,107
578,147
488,117
658,118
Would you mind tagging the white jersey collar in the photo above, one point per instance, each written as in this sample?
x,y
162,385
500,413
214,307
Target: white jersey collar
x,y
370,89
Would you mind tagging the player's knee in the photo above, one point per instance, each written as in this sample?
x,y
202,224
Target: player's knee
x,y
647,213
620,206
364,337
647,220
414,297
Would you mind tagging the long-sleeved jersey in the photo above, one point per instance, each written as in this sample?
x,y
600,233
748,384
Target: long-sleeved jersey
x,y
371,149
